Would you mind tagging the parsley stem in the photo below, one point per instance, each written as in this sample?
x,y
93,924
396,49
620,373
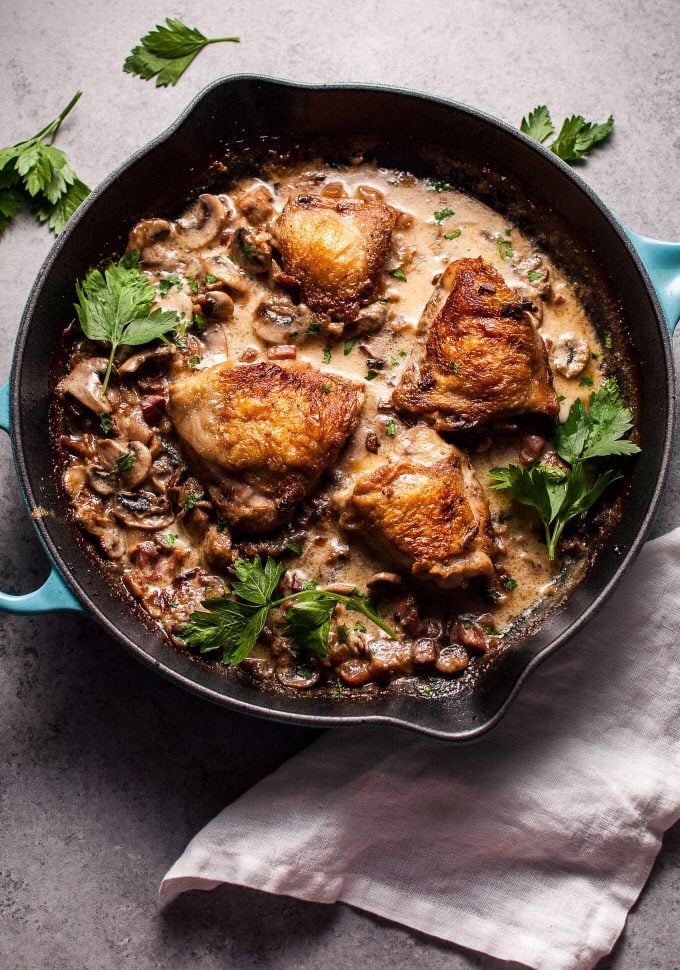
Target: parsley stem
x,y
105,383
354,605
219,40
54,126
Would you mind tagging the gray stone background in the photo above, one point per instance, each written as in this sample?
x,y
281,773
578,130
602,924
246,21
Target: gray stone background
x,y
107,771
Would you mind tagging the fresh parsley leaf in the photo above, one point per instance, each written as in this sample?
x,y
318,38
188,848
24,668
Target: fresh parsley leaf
x,y
313,329
194,361
435,185
575,138
533,276
510,583
596,432
391,428
444,214
235,622
115,307
193,285
191,501
586,381
399,274
454,234
125,462
170,538
538,124
371,375
350,345
35,173
294,548
360,628
166,284
505,248
105,422
166,52
326,354
210,279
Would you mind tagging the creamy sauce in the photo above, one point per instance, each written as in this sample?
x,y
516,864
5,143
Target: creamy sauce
x,y
421,249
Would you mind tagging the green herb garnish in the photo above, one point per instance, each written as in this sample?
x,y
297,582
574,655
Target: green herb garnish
x,y
371,375
586,381
166,284
294,548
575,138
125,462
35,174
399,274
115,307
435,185
105,422
391,428
191,501
588,433
194,361
350,345
313,329
505,248
454,234
193,285
326,354
166,52
608,342
170,538
534,276
453,367
510,584
326,389
233,622
444,214
210,279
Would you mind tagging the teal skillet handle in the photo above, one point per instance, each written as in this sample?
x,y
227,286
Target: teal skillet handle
x,y
54,594
662,262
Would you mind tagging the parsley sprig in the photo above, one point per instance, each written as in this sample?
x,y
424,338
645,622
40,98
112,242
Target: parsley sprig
x,y
588,434
166,52
234,622
115,306
36,174
575,138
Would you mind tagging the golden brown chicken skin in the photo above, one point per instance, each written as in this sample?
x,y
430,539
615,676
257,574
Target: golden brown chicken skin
x,y
480,358
424,511
336,249
262,434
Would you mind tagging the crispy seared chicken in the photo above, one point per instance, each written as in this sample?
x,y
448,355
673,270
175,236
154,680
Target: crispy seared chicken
x,y
262,434
480,356
424,511
336,249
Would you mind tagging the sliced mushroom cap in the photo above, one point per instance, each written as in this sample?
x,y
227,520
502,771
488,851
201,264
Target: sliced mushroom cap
x,y
218,305
221,267
133,363
84,385
252,250
141,465
278,320
202,224
143,510
153,238
570,354
215,340
384,579
290,677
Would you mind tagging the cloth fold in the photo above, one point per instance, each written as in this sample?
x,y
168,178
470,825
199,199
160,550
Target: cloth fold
x,y
530,845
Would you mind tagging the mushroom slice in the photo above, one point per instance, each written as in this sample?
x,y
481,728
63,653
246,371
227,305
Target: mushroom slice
x,y
143,510
133,363
202,224
570,354
278,320
223,269
84,385
293,678
141,465
218,305
152,238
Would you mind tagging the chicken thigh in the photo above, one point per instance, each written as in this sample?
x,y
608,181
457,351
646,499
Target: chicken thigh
x,y
262,434
480,356
424,511
336,249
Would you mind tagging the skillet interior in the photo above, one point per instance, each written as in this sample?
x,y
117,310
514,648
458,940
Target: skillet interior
x,y
157,178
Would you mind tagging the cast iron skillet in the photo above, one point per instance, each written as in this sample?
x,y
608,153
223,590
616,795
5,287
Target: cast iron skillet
x,y
245,106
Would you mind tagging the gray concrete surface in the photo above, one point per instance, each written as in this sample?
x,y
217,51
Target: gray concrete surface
x,y
107,771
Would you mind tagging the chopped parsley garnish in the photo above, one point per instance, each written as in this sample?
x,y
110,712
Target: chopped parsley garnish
x,y
233,622
454,234
489,593
105,422
510,583
402,353
210,279
194,361
371,375
505,248
166,284
394,362
608,342
166,52
575,138
170,538
360,628
221,525
342,633
191,501
294,548
436,185
399,274
534,276
383,299
326,354
248,251
560,495
193,285
350,345
199,321
586,381
391,428
326,389
468,624
313,329
427,689
453,367
125,462
443,214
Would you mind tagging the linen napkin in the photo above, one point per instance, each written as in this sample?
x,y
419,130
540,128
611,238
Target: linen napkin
x,y
531,844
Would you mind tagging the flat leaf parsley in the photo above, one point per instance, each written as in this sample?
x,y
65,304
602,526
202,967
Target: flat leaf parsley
x,y
115,306
36,174
166,52
558,494
575,138
233,622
